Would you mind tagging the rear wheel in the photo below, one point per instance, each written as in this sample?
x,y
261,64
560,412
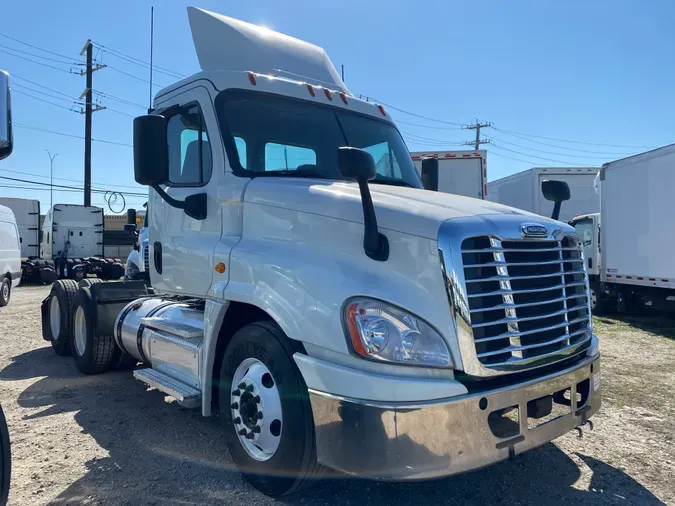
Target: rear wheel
x,y
5,291
93,353
265,406
599,304
59,306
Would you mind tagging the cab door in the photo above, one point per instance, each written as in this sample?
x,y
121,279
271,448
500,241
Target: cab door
x,y
588,231
182,247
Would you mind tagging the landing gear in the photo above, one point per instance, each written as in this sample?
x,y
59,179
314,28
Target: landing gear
x,y
265,407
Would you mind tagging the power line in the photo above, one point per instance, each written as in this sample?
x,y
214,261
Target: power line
x,y
43,100
518,159
66,187
541,157
415,115
428,126
23,173
155,85
38,129
118,99
574,142
66,62
34,47
548,152
138,61
14,76
56,97
579,150
429,138
37,62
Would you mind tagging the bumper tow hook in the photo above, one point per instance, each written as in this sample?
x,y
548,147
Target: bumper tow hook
x,y
579,429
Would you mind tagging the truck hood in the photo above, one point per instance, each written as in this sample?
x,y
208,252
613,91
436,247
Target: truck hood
x,y
402,209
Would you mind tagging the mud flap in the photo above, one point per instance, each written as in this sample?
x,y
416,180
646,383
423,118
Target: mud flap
x,y
44,310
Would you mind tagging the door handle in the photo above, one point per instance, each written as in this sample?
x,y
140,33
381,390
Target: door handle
x,y
157,256
590,263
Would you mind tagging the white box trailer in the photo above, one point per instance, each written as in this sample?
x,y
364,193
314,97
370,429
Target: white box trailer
x,y
523,190
459,172
27,214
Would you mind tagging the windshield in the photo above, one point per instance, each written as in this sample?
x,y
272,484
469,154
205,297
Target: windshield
x,y
280,136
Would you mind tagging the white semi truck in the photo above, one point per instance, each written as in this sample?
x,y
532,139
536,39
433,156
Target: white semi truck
x,y
523,190
72,238
628,245
332,313
459,172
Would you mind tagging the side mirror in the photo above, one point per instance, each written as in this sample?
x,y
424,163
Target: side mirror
x,y
358,165
130,227
557,192
131,216
6,141
430,174
151,152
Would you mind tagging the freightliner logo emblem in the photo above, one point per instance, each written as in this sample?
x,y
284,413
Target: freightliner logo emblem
x,y
531,230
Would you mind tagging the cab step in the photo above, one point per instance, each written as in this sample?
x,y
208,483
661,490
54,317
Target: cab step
x,y
185,395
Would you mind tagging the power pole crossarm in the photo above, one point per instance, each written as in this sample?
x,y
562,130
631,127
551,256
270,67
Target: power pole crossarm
x,y
477,126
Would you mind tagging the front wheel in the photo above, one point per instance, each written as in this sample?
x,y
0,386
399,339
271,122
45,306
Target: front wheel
x,y
5,291
265,406
599,304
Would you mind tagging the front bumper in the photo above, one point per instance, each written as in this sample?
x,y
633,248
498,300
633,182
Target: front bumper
x,y
411,441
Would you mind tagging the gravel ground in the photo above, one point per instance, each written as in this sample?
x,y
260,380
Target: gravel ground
x,y
104,440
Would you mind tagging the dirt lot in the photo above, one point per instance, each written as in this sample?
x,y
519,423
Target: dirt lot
x,y
104,440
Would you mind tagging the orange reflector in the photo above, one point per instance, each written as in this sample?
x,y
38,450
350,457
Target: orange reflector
x,y
329,95
344,98
220,267
354,330
384,113
310,88
252,78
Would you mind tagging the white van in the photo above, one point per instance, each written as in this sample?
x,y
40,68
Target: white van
x,y
10,254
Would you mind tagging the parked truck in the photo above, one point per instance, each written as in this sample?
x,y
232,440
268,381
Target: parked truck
x,y
459,172
523,190
333,311
72,238
628,245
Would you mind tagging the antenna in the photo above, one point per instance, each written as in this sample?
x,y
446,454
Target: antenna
x,y
152,38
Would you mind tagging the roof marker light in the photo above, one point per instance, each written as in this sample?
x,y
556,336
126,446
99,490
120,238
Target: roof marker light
x,y
252,78
329,95
310,88
343,97
384,113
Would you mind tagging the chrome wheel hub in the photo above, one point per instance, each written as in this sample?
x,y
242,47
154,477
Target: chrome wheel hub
x,y
256,409
80,331
54,317
5,291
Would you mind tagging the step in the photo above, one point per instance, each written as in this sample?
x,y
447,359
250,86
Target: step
x,y
180,329
185,395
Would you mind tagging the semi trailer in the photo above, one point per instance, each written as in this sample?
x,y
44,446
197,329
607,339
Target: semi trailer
x,y
332,310
628,245
73,245
459,172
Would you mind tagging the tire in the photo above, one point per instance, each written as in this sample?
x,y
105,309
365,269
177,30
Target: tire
x,y
5,291
93,353
87,282
122,361
63,291
5,459
599,306
292,465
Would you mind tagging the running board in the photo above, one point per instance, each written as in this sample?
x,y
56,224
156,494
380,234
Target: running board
x,y
185,395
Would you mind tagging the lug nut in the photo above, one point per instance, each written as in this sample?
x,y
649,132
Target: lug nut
x,y
237,420
256,429
241,385
250,435
259,415
256,399
234,405
249,388
236,393
242,432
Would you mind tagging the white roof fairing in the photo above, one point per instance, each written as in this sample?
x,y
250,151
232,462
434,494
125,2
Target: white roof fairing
x,y
224,43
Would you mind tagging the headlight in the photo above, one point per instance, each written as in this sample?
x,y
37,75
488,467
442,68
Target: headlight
x,y
380,331
131,270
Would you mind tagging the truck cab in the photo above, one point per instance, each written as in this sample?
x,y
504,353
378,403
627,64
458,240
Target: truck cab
x,y
310,290
587,227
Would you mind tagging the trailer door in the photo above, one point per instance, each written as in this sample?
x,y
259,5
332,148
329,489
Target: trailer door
x,y
461,176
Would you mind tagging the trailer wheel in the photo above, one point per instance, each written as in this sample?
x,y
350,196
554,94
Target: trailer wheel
x,y
265,406
59,304
93,353
599,305
5,291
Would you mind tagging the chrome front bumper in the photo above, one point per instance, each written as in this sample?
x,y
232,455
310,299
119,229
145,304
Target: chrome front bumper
x,y
411,441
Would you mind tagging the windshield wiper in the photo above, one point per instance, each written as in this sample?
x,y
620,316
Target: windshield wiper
x,y
391,181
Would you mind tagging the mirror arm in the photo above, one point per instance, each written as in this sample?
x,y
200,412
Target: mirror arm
x,y
194,205
556,210
178,204
375,244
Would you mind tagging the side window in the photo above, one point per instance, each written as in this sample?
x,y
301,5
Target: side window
x,y
385,161
240,144
189,149
286,157
47,237
585,230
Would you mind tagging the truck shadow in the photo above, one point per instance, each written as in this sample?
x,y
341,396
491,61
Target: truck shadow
x,y
650,322
160,453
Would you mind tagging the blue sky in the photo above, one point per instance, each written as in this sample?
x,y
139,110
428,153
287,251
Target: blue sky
x,y
600,72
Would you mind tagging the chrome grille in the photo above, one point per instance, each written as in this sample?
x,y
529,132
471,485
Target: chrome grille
x,y
527,299
146,257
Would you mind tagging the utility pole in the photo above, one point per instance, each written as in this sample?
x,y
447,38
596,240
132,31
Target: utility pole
x,y
88,110
477,126
51,177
